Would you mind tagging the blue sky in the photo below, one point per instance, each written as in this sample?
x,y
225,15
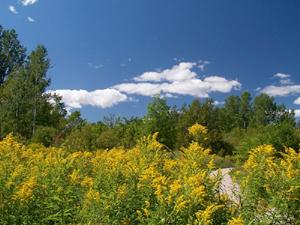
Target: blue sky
x,y
111,56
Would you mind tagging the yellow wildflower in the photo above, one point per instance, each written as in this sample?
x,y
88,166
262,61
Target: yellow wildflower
x,y
197,129
236,221
175,187
122,190
87,182
180,203
92,195
206,216
74,176
25,190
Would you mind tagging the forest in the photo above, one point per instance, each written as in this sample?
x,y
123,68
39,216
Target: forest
x,y
58,168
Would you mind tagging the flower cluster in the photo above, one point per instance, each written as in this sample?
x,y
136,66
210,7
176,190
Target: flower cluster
x,y
143,185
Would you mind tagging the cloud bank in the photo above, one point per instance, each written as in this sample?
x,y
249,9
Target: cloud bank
x,y
284,88
104,98
178,80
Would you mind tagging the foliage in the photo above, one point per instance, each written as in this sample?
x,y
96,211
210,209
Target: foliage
x,y
142,185
160,118
24,103
198,132
270,187
44,135
279,135
12,53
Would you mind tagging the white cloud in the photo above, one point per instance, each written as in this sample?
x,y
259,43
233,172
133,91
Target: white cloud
x,y
30,19
219,102
179,80
282,75
284,79
104,98
12,9
286,90
146,89
179,72
297,101
297,112
28,2
285,87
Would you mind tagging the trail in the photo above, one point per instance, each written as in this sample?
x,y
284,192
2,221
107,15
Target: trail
x,y
227,185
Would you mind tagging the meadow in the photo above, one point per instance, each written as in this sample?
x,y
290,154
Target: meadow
x,y
147,184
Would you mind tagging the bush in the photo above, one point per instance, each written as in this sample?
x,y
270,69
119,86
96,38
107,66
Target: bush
x,y
44,135
270,187
142,185
279,135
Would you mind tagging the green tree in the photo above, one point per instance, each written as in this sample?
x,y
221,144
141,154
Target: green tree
x,y
161,118
24,104
245,109
231,110
37,66
12,53
266,111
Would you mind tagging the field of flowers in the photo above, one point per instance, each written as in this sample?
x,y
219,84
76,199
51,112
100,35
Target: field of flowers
x,y
143,185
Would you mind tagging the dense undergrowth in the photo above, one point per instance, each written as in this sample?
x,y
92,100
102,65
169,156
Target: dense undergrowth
x,y
143,185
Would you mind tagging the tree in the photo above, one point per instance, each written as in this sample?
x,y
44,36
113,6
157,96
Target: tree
x,y
160,118
232,109
266,111
12,53
37,67
206,114
245,109
24,104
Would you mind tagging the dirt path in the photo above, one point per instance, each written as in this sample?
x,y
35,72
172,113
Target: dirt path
x,y
227,185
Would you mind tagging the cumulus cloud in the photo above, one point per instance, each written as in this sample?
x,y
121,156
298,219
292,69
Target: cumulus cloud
x,y
297,112
282,75
179,72
28,2
179,80
285,87
13,9
297,101
284,79
146,89
170,83
104,98
284,90
30,19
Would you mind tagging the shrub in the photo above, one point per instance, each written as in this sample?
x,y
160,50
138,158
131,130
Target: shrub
x,y
142,185
271,186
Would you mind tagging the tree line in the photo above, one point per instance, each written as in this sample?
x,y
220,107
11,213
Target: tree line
x,y
35,116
